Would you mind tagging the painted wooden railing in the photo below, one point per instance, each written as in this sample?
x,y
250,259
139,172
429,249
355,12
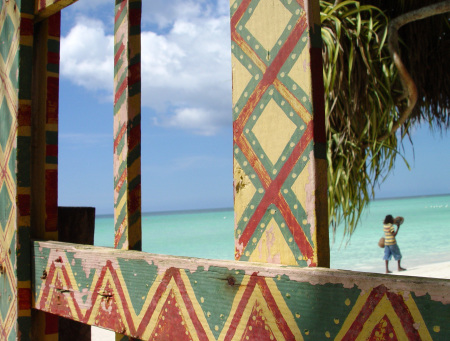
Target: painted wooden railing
x,y
156,297
280,202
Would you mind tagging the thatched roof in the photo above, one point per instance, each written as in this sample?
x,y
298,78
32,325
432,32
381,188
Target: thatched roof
x,y
425,50
368,98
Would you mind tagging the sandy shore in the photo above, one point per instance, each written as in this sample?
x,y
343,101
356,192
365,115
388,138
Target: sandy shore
x,y
435,270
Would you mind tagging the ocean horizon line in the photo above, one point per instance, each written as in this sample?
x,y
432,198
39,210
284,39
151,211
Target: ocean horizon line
x,y
173,212
412,197
223,209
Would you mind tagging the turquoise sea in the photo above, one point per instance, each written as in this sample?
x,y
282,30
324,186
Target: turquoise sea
x,y
423,238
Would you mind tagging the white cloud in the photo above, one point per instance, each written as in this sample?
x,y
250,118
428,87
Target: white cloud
x,y
195,119
186,71
87,55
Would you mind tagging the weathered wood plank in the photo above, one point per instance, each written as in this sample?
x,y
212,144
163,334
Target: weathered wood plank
x,y
279,147
165,297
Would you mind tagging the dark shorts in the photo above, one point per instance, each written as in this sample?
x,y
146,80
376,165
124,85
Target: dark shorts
x,y
392,250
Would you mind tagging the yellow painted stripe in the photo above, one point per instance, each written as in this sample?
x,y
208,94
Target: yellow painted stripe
x,y
236,301
418,319
383,308
353,314
293,101
198,309
284,309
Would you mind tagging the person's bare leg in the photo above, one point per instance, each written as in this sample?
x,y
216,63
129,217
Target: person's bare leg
x,y
387,267
400,268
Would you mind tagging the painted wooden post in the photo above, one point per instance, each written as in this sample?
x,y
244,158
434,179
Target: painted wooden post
x,y
280,198
44,149
127,127
16,38
21,169
127,124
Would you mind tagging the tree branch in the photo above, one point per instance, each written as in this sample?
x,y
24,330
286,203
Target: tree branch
x,y
408,84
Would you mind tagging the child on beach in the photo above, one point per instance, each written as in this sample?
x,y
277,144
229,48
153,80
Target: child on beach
x,y
390,244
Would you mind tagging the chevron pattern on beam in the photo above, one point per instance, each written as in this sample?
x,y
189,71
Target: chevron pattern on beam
x,y
154,297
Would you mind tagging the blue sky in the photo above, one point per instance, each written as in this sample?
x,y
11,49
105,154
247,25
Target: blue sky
x,y
186,112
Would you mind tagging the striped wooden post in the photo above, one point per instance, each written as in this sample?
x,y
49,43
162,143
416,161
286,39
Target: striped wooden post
x,y
279,133
127,125
28,153
16,38
44,149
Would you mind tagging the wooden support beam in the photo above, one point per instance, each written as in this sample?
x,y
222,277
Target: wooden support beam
x,y
44,149
127,124
46,8
280,178
154,297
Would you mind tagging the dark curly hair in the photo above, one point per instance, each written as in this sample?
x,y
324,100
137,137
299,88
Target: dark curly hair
x,y
389,219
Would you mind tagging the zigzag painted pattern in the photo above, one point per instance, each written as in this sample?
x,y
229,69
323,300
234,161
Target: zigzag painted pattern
x,y
154,297
16,31
127,125
273,132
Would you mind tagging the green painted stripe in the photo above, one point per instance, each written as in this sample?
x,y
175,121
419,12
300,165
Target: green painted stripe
x,y
119,173
51,160
117,46
53,68
51,137
134,218
120,145
118,65
135,30
134,182
121,215
122,191
119,103
123,238
120,81
25,71
120,19
134,154
320,151
24,256
14,72
23,157
53,45
134,89
136,59
12,164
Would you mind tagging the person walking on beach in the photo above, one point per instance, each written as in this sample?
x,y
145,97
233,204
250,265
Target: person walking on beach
x,y
390,244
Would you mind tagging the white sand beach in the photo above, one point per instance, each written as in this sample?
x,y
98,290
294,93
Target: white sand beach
x,y
435,270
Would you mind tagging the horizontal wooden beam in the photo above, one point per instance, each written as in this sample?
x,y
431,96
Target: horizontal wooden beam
x,y
46,8
151,296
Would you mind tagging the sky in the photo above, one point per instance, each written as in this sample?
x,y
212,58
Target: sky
x,y
186,112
